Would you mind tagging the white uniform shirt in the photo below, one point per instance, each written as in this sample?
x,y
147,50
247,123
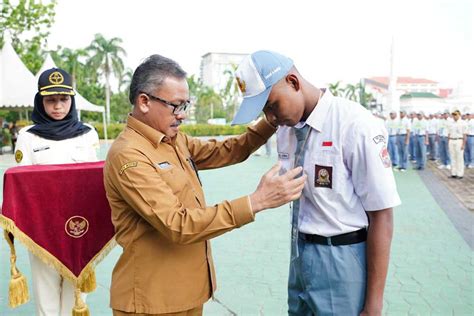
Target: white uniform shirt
x,y
420,127
443,127
404,126
348,144
433,126
32,149
392,126
457,129
470,127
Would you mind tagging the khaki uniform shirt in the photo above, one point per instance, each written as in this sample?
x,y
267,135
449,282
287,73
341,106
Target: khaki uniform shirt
x,y
161,218
457,129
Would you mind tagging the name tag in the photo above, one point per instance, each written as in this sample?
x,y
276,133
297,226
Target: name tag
x,y
40,149
283,156
164,165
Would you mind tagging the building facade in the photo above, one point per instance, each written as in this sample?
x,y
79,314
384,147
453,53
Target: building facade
x,y
414,93
214,65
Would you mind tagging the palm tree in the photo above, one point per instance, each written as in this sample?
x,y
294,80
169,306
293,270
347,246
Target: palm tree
x,y
230,93
350,92
335,89
106,55
364,96
125,80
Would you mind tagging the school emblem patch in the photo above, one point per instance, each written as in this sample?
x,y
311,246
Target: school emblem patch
x,y
379,138
76,226
322,176
385,157
18,156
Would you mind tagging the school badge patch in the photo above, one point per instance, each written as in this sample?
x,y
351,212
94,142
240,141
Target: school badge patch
x,y
385,157
18,156
322,176
379,138
76,226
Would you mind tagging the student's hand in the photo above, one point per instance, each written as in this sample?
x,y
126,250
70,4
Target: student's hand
x,y
275,190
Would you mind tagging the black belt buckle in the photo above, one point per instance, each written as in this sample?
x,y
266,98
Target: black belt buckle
x,y
339,240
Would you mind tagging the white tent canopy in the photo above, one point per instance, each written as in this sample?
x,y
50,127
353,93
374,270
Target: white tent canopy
x,y
18,86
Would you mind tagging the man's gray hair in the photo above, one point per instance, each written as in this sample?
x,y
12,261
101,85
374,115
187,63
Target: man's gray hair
x,y
151,74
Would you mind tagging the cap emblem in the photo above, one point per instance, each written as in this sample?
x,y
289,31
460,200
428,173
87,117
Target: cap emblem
x,y
241,84
56,78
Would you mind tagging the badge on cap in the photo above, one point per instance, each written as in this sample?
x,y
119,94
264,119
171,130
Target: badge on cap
x,y
241,84
56,78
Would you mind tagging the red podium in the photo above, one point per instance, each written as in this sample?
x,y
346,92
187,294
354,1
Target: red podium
x,y
61,214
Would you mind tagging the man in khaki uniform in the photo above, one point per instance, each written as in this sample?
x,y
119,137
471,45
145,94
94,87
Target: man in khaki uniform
x,y
161,218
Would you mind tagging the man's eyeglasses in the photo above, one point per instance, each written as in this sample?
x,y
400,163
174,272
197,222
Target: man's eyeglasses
x,y
177,108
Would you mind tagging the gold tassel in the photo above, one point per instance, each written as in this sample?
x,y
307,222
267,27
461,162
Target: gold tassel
x,y
80,308
18,287
89,284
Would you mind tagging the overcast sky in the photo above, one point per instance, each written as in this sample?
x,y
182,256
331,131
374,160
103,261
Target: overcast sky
x,y
328,40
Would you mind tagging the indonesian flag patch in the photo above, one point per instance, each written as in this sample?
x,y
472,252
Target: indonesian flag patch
x,y
385,157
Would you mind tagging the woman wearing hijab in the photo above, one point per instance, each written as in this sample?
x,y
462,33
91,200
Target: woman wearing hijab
x,y
57,137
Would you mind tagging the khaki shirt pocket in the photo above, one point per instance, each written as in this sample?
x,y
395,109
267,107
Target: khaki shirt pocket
x,y
175,178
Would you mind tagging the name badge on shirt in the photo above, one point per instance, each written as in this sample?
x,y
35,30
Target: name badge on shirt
x,y
163,165
40,149
322,176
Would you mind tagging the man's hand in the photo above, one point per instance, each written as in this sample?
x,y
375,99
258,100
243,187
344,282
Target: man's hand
x,y
275,190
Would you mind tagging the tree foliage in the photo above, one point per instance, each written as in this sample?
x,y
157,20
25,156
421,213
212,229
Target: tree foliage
x,y
355,92
28,24
106,56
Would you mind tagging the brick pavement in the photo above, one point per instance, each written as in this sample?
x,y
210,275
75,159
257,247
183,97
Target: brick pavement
x,y
463,189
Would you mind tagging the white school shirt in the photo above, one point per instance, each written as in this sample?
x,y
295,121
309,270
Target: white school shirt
x,y
443,127
470,127
404,126
348,167
433,126
392,126
457,129
420,127
32,149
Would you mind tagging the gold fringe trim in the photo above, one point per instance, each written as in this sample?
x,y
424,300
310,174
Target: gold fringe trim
x,y
86,274
89,283
80,308
18,287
